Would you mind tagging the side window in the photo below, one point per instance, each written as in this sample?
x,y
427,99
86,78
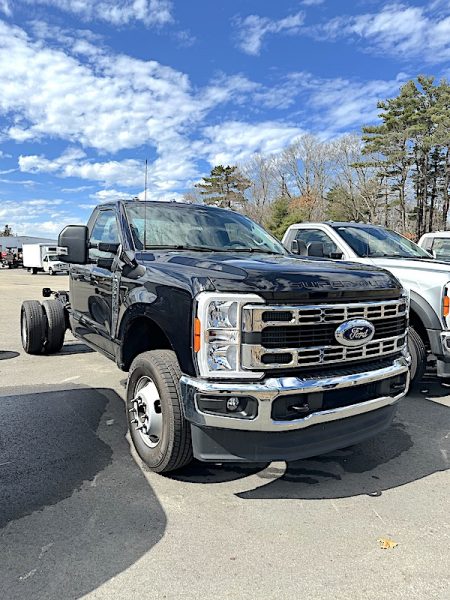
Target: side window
x,y
104,230
441,247
427,243
316,235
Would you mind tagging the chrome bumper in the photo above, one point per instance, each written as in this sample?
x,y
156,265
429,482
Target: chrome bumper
x,y
267,391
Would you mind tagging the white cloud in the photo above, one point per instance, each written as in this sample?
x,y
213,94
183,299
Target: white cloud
x,y
5,8
235,141
341,105
108,103
116,12
110,195
312,2
73,163
41,217
253,29
77,190
398,29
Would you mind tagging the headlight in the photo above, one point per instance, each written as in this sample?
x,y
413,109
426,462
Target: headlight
x,y
217,334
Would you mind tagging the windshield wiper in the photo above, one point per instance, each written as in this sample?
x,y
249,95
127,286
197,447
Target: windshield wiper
x,y
256,250
208,249
183,247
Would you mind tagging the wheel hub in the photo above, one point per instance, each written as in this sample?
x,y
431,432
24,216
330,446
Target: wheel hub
x,y
146,412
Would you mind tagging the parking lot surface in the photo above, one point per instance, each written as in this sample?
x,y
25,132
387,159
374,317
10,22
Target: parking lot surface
x,y
81,516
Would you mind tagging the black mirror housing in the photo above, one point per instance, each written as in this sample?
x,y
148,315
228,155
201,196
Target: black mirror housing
x,y
316,249
75,239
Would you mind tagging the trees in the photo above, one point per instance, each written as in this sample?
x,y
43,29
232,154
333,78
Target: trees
x,y
397,174
7,231
224,187
306,165
284,212
411,146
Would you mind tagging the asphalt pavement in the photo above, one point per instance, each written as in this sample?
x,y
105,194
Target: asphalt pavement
x,y
80,516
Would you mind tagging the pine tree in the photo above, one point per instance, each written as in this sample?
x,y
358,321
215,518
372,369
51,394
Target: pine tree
x,y
224,187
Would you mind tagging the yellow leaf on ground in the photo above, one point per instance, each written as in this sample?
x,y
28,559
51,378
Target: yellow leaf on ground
x,y
387,544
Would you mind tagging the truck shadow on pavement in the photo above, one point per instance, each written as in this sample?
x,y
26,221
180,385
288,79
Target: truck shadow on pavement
x,y
7,354
75,348
75,509
416,445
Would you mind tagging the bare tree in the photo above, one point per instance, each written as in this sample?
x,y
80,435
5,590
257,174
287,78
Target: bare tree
x,y
307,164
261,171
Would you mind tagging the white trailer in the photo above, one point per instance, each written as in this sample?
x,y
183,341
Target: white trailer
x,y
42,257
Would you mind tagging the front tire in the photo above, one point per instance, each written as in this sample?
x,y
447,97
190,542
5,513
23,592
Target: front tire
x,y
56,326
32,326
158,428
418,354
51,271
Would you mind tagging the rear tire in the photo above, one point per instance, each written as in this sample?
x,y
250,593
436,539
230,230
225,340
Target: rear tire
x,y
32,326
418,354
56,325
158,428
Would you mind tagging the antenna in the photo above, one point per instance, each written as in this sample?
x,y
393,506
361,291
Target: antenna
x,y
145,206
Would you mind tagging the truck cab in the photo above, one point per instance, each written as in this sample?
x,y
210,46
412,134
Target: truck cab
x,y
426,279
236,350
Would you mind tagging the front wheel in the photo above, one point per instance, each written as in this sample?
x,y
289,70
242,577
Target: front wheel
x,y
51,271
158,429
418,354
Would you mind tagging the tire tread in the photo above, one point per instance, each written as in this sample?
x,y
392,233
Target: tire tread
x,y
56,325
34,315
165,362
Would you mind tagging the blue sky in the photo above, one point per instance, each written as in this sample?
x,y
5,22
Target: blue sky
x,y
91,88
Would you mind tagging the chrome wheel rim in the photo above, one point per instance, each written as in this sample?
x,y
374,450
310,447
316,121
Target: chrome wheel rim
x,y
24,332
146,413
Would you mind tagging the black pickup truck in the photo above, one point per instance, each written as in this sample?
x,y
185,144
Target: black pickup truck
x,y
235,349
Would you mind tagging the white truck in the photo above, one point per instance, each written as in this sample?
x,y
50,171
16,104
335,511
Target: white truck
x,y
43,257
426,279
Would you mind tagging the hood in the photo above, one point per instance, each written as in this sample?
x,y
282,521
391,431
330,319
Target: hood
x,y
272,276
417,265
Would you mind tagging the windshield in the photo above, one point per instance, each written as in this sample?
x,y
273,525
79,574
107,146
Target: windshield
x,y
377,242
181,226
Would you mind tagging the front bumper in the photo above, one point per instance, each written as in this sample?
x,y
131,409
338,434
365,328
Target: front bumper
x,y
440,347
265,438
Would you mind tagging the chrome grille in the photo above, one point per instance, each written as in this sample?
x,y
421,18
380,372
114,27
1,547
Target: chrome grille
x,y
307,338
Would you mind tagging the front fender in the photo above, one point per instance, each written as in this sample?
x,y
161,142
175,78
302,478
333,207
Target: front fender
x,y
170,309
425,312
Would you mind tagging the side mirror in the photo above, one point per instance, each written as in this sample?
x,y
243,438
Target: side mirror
x,y
336,255
315,249
74,238
299,247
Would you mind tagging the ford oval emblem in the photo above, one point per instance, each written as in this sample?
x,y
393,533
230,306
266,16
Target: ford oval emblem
x,y
356,332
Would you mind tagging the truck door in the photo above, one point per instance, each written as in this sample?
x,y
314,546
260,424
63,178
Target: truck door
x,y
92,287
